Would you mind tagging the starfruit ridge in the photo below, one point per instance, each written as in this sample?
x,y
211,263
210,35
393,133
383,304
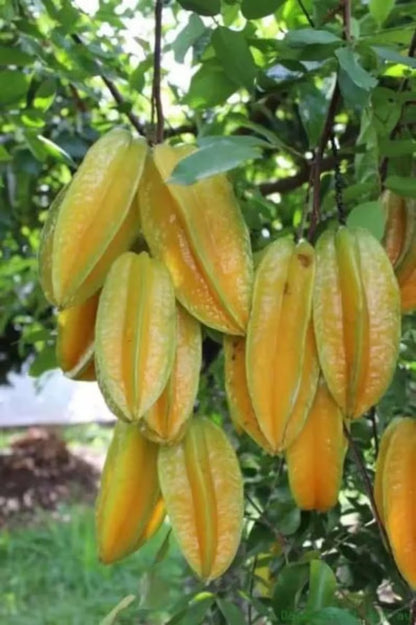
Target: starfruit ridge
x,y
135,334
202,487
199,232
93,221
129,507
276,339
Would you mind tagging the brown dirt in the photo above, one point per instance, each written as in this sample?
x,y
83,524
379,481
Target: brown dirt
x,y
39,471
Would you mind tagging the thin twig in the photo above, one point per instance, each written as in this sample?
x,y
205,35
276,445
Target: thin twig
x,y
317,162
263,520
156,96
367,484
250,590
413,612
372,416
402,87
306,14
346,19
114,91
339,186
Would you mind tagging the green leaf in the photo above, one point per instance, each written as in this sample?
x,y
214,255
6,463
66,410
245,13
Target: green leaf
x,y
163,549
14,86
42,148
111,618
231,49
194,29
44,361
349,63
398,147
291,580
14,56
68,16
209,86
202,7
369,215
388,54
288,515
353,95
232,613
329,616
212,159
309,37
195,613
4,155
254,9
45,95
381,9
312,107
322,585
242,141
137,77
402,185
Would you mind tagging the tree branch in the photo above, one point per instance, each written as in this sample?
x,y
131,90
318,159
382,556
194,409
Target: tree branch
x,y
367,485
317,162
413,612
284,185
156,96
346,18
114,91
120,101
402,87
372,417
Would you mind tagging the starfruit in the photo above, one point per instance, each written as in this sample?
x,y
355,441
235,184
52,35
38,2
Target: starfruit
x,y
381,459
356,318
93,221
281,362
395,228
199,233
166,421
202,488
75,340
135,334
395,492
400,244
129,508
315,459
238,398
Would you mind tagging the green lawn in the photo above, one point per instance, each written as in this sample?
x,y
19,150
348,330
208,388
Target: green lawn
x,y
50,575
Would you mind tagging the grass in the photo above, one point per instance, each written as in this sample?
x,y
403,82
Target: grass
x,y
50,575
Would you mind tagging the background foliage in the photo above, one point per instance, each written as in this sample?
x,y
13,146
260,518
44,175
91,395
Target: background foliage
x,y
253,83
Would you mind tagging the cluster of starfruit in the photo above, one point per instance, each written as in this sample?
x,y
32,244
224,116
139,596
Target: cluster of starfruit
x,y
135,264
320,350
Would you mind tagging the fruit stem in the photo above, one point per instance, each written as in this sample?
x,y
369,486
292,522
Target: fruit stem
x,y
157,108
367,485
